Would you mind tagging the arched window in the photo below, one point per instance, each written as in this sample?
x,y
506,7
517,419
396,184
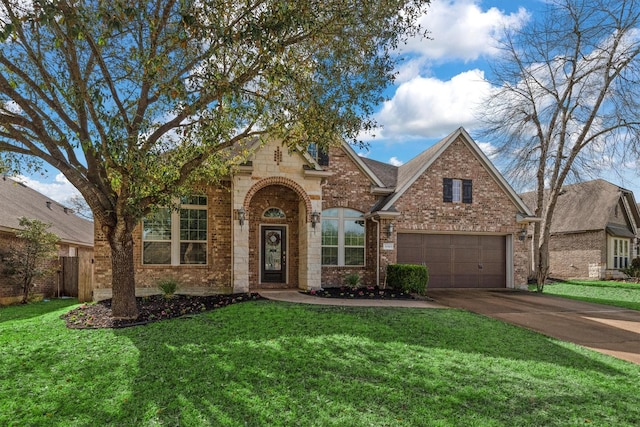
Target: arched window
x,y
274,213
343,237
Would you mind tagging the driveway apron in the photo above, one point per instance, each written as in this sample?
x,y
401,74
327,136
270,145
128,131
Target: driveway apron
x,y
610,330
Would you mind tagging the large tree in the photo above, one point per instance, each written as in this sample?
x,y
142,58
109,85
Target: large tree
x,y
566,101
132,99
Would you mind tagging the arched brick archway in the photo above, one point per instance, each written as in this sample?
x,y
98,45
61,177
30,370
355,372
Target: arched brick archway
x,y
276,180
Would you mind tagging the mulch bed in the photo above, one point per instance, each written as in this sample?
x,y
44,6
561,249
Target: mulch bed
x,y
151,309
365,292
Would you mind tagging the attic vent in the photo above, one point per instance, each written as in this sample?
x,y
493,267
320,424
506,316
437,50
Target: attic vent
x,y
48,204
66,210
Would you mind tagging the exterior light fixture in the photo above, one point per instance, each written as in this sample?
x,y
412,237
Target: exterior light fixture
x,y
522,234
390,229
315,218
241,216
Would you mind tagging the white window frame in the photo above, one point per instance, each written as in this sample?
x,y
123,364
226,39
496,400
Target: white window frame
x,y
344,215
619,253
456,191
175,239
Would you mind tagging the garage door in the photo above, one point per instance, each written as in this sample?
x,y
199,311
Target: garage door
x,y
457,261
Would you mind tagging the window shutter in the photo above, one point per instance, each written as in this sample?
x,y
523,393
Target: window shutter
x,y
467,191
447,190
323,157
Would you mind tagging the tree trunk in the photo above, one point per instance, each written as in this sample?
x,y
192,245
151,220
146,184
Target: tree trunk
x,y
123,284
26,285
543,264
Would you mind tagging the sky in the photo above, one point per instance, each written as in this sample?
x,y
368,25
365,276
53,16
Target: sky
x,y
435,92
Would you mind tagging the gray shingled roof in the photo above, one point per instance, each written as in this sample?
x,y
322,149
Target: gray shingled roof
x,y
17,200
387,173
586,206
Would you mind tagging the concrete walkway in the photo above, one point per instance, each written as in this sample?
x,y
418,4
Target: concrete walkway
x,y
293,295
606,329
603,328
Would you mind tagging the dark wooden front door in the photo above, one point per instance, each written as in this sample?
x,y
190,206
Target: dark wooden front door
x,y
273,265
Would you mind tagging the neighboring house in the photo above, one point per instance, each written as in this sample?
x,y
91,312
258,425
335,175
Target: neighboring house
x,y
75,233
307,219
594,231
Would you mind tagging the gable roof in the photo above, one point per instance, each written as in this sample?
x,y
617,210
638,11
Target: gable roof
x,y
17,200
408,173
588,206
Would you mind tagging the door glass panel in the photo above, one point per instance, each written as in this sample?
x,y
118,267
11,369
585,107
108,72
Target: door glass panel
x,y
273,250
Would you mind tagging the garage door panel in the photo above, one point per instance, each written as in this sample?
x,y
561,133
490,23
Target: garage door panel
x,y
465,255
410,256
410,240
492,242
492,267
460,261
437,256
492,281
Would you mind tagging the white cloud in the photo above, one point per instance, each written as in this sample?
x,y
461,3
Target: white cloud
x,y
428,107
395,161
460,29
60,190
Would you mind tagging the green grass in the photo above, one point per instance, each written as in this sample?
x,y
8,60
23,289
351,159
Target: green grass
x,y
619,294
265,363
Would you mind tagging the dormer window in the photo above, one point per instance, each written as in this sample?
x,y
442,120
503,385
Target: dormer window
x,y
318,154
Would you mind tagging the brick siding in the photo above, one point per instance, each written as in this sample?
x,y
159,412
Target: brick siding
x,y
570,255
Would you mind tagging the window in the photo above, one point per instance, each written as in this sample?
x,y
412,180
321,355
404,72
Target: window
x,y
620,253
343,237
274,213
176,237
319,154
457,190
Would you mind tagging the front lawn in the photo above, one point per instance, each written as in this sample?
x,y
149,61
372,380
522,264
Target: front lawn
x,y
619,294
265,363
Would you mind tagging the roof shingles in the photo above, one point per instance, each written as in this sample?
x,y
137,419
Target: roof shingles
x,y
18,200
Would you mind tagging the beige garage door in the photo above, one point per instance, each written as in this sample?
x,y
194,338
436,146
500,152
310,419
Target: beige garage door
x,y
457,261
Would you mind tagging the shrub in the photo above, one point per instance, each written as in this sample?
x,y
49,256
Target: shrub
x,y
353,280
634,269
408,278
168,287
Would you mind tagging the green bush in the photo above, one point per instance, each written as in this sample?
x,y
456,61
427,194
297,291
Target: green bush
x,y
168,287
408,278
634,269
353,280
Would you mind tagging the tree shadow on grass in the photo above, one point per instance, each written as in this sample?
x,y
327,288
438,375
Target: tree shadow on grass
x,y
266,363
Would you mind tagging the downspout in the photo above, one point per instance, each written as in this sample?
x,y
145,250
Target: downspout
x,y
377,250
233,238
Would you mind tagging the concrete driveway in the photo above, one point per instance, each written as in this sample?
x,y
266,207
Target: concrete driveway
x,y
610,330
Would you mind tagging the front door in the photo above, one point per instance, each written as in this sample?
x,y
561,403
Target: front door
x,y
274,254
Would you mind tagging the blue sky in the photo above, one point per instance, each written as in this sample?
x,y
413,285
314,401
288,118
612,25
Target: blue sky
x,y
436,90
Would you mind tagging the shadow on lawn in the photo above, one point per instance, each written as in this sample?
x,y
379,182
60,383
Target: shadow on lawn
x,y
285,364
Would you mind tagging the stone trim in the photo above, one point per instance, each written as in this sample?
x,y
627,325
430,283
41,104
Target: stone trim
x,y
278,180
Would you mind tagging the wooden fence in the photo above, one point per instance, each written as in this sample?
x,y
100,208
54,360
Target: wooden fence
x,y
76,276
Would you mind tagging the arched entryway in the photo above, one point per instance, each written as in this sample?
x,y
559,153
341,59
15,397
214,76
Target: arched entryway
x,y
276,213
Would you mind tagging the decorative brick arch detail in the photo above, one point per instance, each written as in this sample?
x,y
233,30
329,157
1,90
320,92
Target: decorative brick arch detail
x,y
285,182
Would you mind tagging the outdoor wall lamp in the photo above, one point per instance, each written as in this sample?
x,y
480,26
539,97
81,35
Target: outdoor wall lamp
x,y
522,234
241,216
390,229
315,218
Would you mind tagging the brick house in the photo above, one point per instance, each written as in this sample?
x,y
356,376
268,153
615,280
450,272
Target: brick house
x,y
306,219
594,231
75,233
